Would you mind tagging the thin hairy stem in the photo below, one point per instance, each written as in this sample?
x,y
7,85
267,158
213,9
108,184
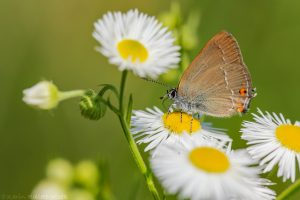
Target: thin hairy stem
x,y
132,145
70,94
139,159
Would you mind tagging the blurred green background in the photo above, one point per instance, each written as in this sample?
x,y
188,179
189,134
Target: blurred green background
x,y
52,40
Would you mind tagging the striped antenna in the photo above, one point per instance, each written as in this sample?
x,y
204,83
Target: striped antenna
x,y
158,82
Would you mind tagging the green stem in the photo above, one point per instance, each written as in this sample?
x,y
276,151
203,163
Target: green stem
x,y
70,94
132,145
112,107
289,191
139,159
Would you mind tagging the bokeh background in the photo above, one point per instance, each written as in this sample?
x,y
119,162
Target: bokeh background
x,y
52,40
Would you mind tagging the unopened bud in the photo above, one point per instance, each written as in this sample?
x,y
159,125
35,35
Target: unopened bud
x,y
45,95
91,106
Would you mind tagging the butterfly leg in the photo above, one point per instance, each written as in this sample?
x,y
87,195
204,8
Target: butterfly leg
x,y
197,116
181,116
191,125
169,111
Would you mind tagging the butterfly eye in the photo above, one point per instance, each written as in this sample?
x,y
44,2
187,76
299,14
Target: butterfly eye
x,y
173,93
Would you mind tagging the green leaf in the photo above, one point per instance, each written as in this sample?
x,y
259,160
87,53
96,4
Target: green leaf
x,y
129,109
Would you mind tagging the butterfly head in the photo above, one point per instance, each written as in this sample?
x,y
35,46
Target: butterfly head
x,y
172,94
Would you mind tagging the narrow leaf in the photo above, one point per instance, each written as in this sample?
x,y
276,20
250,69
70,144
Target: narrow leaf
x,y
129,109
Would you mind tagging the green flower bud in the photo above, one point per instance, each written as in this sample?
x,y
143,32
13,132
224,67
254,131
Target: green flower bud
x,y
60,171
171,18
87,174
189,37
91,106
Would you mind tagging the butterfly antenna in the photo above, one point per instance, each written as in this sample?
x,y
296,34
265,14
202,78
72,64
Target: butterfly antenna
x,y
157,82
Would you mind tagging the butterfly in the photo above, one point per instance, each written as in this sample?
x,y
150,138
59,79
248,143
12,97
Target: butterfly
x,y
217,82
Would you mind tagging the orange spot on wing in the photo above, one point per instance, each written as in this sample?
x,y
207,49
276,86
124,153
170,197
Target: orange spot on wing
x,y
240,107
243,91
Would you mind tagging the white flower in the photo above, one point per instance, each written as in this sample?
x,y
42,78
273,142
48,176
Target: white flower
x,y
274,140
201,169
155,127
137,42
47,190
45,95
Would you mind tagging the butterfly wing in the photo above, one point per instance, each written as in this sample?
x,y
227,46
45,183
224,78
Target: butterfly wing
x,y
217,82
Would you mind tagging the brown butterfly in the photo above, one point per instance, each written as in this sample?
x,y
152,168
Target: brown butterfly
x,y
217,82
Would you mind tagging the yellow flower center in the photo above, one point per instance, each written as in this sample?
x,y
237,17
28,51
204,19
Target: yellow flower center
x,y
209,159
132,49
289,136
179,122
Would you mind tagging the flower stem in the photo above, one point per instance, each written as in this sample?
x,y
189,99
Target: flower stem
x,y
289,191
139,159
132,145
70,94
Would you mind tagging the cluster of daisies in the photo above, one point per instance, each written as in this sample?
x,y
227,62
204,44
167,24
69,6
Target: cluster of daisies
x,y
189,157
195,160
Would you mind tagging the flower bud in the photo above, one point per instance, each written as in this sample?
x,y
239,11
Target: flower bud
x,y
48,190
43,95
61,171
87,174
189,36
91,106
171,18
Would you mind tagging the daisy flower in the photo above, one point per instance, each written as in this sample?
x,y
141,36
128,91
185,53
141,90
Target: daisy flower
x,y
155,127
137,42
274,140
202,169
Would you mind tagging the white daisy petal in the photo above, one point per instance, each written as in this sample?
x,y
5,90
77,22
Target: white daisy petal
x,y
201,169
274,140
154,127
136,42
